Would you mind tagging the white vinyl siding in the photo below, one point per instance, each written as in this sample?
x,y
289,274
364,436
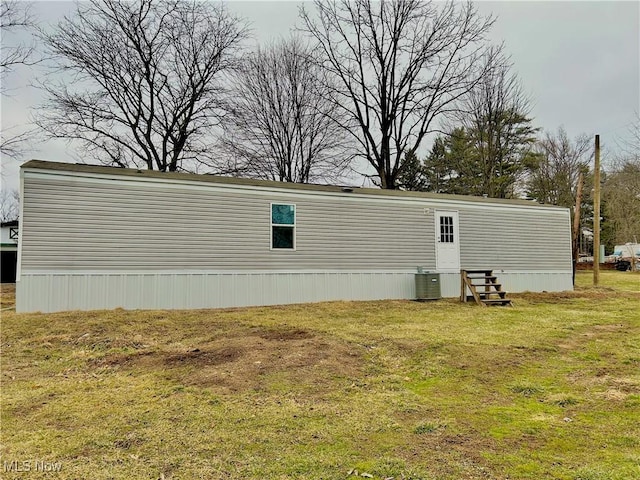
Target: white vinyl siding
x,y
70,224
515,240
126,226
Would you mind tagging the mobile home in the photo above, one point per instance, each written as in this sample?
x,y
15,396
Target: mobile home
x,y
95,237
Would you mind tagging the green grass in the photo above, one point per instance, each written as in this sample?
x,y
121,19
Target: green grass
x,y
547,389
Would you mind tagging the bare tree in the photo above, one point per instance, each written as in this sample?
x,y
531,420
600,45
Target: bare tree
x,y
9,205
14,16
280,125
494,114
151,75
631,145
559,161
621,190
398,65
621,194
13,146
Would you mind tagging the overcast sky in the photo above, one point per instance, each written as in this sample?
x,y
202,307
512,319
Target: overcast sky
x,y
578,61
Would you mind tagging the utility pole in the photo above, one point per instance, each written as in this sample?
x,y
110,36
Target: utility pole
x,y
576,226
596,215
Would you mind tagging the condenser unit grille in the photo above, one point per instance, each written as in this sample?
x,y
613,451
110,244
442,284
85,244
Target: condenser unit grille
x,y
428,286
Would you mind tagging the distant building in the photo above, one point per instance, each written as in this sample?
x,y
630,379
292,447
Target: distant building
x,y
9,251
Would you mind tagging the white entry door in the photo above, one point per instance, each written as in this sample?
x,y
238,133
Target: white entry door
x,y
447,241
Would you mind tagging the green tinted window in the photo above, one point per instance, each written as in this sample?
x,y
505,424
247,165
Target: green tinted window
x,y
282,237
283,214
283,226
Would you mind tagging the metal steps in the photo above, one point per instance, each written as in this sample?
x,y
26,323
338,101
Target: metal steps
x,y
484,288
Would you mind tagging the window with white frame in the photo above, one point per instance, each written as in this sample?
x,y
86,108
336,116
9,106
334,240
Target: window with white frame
x,y
446,230
283,226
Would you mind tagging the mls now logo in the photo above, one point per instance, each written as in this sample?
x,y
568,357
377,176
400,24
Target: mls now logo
x,y
31,466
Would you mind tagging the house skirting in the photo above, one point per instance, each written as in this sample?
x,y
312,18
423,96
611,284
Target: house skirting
x,y
54,292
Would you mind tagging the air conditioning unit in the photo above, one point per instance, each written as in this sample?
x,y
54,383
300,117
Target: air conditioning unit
x,y
428,286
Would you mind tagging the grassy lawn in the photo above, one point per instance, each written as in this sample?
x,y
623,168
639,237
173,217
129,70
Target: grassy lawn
x,y
440,390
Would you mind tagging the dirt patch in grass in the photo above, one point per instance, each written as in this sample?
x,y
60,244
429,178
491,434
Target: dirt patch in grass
x,y
283,334
120,359
468,448
200,358
252,358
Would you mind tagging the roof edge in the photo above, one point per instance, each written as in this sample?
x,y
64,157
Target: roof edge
x,y
217,179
